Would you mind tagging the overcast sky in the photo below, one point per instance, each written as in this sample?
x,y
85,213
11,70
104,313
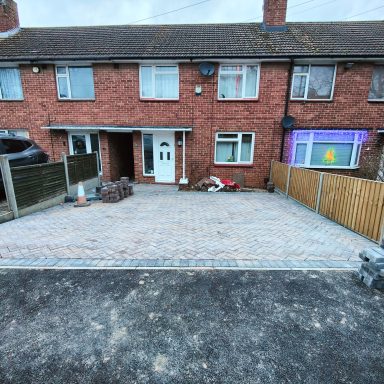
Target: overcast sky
x,y
34,13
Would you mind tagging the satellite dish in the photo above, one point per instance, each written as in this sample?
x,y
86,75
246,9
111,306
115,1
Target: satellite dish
x,y
288,122
207,69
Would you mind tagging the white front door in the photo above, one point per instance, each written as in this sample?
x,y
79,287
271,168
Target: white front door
x,y
165,157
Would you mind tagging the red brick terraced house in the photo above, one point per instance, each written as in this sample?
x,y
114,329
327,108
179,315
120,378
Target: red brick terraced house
x,y
175,103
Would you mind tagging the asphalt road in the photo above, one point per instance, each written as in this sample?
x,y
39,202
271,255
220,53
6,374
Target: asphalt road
x,y
189,327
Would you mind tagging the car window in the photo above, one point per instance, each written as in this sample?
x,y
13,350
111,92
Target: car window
x,y
13,146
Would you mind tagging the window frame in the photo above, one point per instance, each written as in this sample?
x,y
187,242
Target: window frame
x,y
308,74
153,96
244,73
67,77
355,155
153,153
87,135
21,84
231,140
370,86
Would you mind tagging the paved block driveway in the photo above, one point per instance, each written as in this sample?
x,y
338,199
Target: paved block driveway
x,y
159,222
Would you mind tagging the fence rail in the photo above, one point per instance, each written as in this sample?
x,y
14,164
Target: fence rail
x,y
355,203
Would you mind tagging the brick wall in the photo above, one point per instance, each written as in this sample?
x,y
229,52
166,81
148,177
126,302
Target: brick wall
x,y
349,109
9,18
275,12
118,103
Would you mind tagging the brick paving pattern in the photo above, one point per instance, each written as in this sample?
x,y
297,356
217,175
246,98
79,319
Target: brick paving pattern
x,y
159,222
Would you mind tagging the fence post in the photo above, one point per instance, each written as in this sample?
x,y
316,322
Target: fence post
x,y
288,180
98,168
270,172
320,188
8,185
65,161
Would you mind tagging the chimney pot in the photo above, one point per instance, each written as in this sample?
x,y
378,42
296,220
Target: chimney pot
x,y
9,16
274,15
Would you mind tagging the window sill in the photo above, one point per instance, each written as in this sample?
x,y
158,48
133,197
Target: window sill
x,y
69,100
233,165
152,175
324,167
240,99
158,100
375,100
311,100
11,100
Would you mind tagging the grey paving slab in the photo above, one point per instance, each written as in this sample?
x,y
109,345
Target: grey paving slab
x,y
160,223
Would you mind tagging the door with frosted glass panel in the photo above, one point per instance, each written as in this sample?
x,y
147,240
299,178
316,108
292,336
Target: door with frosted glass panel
x,y
165,153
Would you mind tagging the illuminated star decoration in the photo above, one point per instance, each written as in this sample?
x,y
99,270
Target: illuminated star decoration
x,y
329,157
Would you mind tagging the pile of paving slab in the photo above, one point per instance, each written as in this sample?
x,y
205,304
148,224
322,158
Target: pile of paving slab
x,y
371,271
114,192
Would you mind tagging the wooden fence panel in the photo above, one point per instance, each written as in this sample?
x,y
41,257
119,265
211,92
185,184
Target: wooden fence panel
x,y
303,186
36,183
82,167
280,175
354,203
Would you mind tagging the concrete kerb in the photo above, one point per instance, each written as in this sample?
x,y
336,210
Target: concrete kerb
x,y
182,264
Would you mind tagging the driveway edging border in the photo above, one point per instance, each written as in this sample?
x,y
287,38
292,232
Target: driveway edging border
x,y
68,263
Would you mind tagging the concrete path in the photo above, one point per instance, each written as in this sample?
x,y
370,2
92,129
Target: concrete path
x,y
141,327
160,223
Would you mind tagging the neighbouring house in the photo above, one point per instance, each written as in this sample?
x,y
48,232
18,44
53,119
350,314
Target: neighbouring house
x,y
175,103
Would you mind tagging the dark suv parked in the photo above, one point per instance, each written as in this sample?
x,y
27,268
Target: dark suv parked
x,y
20,151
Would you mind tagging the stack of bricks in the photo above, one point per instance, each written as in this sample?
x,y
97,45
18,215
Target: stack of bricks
x,y
114,192
125,183
371,271
128,187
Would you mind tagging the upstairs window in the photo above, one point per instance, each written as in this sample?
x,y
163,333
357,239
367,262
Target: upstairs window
x,y
377,85
327,149
159,82
238,82
313,82
75,83
234,148
10,84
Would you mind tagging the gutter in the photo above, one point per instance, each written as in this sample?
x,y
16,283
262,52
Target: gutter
x,y
286,107
50,59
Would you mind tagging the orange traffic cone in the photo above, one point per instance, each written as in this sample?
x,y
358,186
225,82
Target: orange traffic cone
x,y
81,199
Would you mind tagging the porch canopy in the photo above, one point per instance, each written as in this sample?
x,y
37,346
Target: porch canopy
x,y
116,128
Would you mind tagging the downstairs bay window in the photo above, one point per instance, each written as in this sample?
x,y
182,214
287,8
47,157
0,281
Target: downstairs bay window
x,y
234,148
327,149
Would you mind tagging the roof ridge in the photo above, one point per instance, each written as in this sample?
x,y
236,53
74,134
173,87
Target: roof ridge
x,y
202,24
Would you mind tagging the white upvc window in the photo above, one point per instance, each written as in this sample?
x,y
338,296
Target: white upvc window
x,y
327,149
10,84
159,82
81,143
234,148
313,82
376,92
75,82
238,81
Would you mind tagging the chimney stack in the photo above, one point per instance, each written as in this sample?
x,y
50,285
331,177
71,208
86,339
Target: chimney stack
x,y
9,17
274,15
